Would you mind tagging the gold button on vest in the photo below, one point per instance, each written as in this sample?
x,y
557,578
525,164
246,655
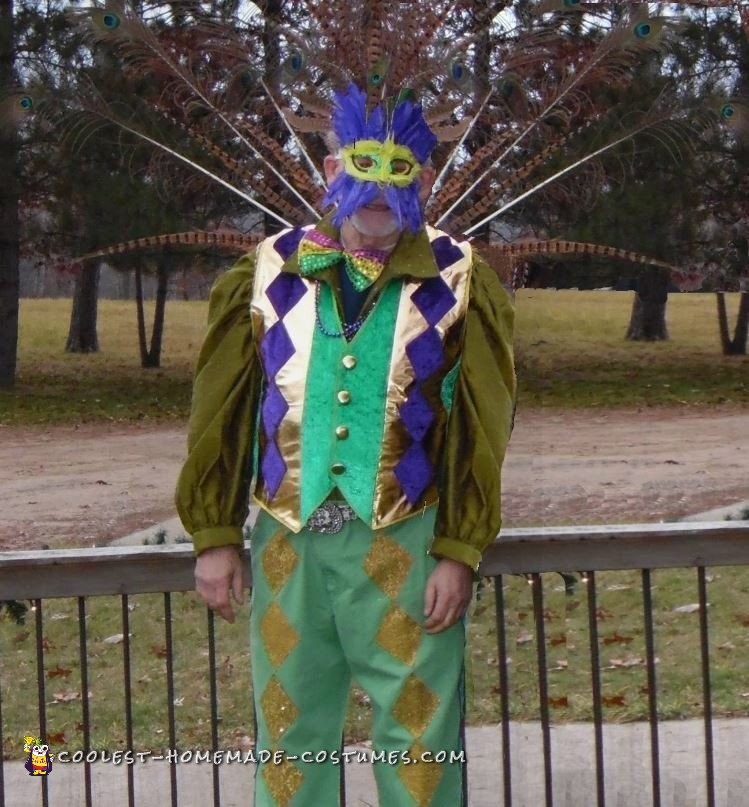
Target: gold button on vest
x,y
337,468
344,396
349,362
341,432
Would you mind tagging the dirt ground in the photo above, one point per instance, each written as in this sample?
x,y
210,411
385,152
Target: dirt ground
x,y
88,485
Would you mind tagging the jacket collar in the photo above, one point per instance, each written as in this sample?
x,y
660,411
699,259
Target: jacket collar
x,y
412,256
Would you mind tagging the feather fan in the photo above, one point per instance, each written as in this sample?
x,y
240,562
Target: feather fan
x,y
247,103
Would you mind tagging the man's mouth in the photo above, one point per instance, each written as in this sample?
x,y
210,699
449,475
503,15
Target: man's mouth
x,y
379,207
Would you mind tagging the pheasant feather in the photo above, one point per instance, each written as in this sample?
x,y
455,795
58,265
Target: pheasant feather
x,y
506,93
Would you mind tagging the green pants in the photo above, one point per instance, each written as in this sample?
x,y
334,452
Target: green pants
x,y
329,607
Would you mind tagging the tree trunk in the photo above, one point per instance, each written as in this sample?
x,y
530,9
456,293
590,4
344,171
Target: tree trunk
x,y
141,316
150,355
162,287
82,336
9,224
648,320
737,345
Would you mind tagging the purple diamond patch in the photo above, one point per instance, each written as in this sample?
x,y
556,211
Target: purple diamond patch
x,y
285,291
425,353
287,244
434,299
445,252
273,468
276,348
273,410
416,414
414,472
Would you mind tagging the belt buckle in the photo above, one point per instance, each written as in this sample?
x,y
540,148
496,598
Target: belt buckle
x,y
330,517
327,519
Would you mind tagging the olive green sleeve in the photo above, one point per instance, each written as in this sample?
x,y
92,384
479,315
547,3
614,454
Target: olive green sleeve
x,y
479,426
212,494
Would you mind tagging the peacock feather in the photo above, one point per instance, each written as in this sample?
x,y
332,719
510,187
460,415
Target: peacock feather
x,y
510,89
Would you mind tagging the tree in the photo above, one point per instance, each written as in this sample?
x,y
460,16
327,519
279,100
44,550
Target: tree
x,y
82,333
648,319
9,224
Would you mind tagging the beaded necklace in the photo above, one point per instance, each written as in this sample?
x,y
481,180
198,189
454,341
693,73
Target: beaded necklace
x,y
349,328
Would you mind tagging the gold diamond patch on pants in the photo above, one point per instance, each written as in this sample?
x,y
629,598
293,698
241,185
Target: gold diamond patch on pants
x,y
278,634
399,634
279,561
415,706
388,564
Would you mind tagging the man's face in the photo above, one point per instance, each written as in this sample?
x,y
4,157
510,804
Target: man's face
x,y
376,218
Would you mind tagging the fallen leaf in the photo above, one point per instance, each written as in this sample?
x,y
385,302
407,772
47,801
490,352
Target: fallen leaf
x,y
116,638
101,482
524,637
522,614
615,638
48,644
602,614
57,739
559,665
727,646
615,700
629,660
362,698
66,696
159,650
245,743
688,609
58,672
21,637
557,640
559,703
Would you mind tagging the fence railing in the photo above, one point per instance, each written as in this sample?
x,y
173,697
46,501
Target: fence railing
x,y
127,571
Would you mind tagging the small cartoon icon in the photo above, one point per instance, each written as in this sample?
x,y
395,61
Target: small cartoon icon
x,y
39,762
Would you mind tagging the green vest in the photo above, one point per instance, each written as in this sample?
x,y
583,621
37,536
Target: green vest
x,y
369,416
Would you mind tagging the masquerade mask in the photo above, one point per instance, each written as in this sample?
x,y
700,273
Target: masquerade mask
x,y
385,163
383,150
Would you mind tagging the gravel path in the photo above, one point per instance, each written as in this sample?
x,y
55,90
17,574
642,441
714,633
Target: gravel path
x,y
66,486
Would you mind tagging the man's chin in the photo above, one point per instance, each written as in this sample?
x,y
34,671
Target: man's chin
x,y
375,222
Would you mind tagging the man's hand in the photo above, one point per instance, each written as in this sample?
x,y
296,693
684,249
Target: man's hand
x,y
448,595
217,572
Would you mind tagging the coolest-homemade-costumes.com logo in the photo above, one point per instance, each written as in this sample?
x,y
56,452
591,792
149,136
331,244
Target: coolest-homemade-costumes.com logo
x,y
39,762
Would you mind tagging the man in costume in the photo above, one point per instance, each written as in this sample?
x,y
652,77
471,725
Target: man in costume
x,y
357,383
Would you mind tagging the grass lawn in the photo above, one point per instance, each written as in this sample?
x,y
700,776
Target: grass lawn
x,y
622,650
570,350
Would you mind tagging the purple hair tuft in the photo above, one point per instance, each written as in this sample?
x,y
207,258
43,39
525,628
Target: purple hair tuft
x,y
407,128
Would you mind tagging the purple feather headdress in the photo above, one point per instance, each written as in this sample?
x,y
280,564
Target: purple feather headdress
x,y
406,127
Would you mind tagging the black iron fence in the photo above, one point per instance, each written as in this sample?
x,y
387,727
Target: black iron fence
x,y
41,577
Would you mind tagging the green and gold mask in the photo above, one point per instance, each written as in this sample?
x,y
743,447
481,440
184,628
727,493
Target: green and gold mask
x,y
385,162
